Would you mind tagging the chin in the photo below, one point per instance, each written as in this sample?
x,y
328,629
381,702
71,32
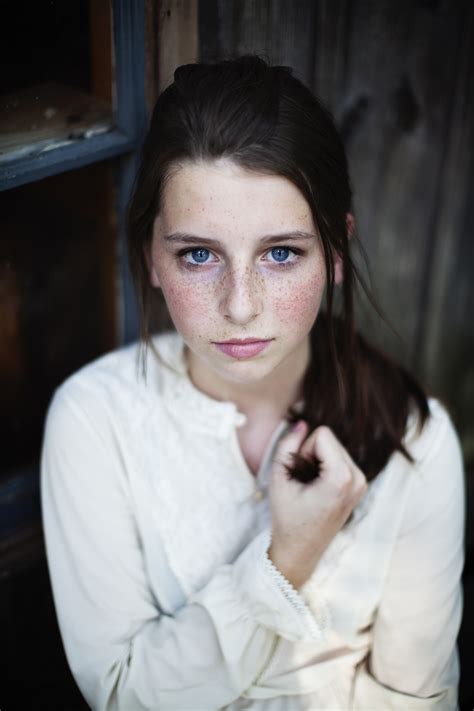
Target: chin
x,y
246,372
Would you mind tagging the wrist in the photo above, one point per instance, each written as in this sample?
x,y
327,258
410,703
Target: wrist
x,y
295,568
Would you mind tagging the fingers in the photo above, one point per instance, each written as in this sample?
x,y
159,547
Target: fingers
x,y
324,445
291,443
336,463
337,468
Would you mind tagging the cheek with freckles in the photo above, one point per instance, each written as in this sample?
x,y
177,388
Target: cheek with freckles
x,y
296,305
191,306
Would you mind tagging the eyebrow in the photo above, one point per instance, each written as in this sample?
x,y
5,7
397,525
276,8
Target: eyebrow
x,y
186,238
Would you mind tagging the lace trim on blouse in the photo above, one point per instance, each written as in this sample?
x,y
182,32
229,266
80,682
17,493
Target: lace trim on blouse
x,y
318,620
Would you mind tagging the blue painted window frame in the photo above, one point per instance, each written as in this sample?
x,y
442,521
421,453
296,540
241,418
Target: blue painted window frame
x,y
129,48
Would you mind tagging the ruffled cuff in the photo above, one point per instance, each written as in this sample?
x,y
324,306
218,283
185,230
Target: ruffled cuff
x,y
272,599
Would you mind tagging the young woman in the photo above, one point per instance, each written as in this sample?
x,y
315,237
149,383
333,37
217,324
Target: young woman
x,y
269,513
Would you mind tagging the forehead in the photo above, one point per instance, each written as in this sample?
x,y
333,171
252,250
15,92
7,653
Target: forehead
x,y
219,197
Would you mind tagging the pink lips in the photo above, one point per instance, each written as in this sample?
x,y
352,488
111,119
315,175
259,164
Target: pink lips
x,y
246,348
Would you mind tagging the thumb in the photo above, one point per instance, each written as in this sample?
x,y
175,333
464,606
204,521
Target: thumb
x,y
291,443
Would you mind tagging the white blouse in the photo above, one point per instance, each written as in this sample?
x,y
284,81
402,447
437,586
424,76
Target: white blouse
x,y
157,536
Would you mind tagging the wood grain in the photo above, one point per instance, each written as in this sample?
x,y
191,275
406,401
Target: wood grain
x,y
177,36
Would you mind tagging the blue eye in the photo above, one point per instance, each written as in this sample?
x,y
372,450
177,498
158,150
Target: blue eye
x,y
200,256
280,254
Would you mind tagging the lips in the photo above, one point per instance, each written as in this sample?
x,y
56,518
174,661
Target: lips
x,y
243,348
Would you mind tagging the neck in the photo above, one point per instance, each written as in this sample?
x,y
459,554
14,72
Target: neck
x,y
272,396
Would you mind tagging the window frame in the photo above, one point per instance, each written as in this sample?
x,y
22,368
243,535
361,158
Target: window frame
x,y
21,542
128,37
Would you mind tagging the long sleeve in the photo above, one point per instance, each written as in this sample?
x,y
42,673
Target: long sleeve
x,y
124,653
413,662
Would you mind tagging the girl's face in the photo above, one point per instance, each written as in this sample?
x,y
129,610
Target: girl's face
x,y
237,256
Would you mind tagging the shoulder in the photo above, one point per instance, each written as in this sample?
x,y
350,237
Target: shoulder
x,y
131,372
438,434
120,385
103,416
436,477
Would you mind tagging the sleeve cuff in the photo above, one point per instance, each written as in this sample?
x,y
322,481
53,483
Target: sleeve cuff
x,y
272,599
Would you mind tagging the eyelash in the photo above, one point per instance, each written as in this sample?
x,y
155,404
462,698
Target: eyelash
x,y
280,265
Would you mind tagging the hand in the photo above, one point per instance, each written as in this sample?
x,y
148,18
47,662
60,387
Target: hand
x,y
306,517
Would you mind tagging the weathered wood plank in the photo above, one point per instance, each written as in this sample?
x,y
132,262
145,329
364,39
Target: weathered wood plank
x,y
391,90
151,53
281,31
177,36
446,343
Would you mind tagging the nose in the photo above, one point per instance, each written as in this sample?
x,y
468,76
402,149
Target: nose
x,y
242,297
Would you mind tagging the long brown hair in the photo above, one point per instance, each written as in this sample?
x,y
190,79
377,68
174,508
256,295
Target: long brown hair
x,y
267,121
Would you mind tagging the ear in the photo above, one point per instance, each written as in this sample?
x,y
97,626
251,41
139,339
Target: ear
x,y
152,273
154,279
338,265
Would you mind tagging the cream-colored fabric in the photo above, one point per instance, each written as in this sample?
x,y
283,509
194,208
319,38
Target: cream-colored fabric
x,y
157,535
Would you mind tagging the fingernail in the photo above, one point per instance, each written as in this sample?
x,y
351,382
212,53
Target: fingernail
x,y
298,426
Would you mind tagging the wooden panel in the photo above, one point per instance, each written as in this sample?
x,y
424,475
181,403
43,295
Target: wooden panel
x,y
177,36
281,31
101,48
446,353
391,90
151,52
58,301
